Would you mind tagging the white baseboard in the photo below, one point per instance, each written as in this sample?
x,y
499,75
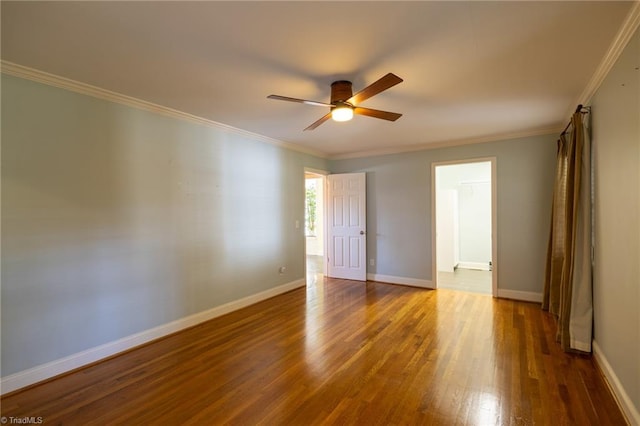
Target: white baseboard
x,y
474,265
51,369
525,296
414,282
622,398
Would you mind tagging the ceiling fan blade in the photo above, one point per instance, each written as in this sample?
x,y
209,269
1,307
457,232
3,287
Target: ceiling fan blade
x,y
319,122
376,113
301,101
373,89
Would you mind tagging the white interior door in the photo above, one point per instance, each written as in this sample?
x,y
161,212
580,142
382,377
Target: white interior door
x,y
347,225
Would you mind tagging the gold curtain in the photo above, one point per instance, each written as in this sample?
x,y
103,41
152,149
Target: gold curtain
x,y
567,289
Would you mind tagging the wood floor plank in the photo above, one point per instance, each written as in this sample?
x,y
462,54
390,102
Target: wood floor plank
x,y
341,352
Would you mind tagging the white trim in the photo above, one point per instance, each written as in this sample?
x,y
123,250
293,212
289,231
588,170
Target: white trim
x,y
413,282
628,28
446,144
46,371
434,242
316,171
524,296
323,174
494,226
626,31
38,76
494,217
43,77
474,265
622,398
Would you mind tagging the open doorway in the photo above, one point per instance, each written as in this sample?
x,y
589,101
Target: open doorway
x,y
314,226
464,206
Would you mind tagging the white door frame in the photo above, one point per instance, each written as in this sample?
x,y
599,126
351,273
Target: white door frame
x,y
494,218
324,174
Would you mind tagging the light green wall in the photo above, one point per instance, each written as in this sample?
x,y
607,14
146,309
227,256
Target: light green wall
x,y
399,208
116,220
616,149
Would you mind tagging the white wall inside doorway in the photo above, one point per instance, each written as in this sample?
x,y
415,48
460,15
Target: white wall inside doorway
x,y
465,231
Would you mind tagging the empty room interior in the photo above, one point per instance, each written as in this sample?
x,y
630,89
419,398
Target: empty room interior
x,y
320,212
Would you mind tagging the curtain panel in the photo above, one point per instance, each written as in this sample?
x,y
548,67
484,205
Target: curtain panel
x,y
568,279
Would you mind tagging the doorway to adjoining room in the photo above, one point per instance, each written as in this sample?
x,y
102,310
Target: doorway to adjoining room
x,y
314,226
464,226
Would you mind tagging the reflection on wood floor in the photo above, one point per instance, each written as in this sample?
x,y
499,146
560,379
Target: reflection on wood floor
x,y
341,352
315,271
471,280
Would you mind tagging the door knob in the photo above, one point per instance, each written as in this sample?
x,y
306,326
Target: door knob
x,y
361,232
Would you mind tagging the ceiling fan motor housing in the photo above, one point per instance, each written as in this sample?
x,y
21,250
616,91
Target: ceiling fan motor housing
x,y
340,91
344,103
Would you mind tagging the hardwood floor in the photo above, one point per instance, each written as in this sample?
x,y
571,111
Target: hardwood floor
x,y
341,352
471,280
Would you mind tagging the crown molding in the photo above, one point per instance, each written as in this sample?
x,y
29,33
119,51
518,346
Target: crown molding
x,y
43,77
628,28
626,31
447,144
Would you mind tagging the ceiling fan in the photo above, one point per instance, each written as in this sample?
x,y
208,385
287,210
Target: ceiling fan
x,y
344,103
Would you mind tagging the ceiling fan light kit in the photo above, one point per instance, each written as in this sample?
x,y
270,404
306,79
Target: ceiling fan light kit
x,y
342,112
344,104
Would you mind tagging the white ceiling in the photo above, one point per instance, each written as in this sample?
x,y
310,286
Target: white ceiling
x,y
472,70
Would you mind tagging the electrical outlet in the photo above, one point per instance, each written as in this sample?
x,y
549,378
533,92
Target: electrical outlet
x,y
372,262
282,270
